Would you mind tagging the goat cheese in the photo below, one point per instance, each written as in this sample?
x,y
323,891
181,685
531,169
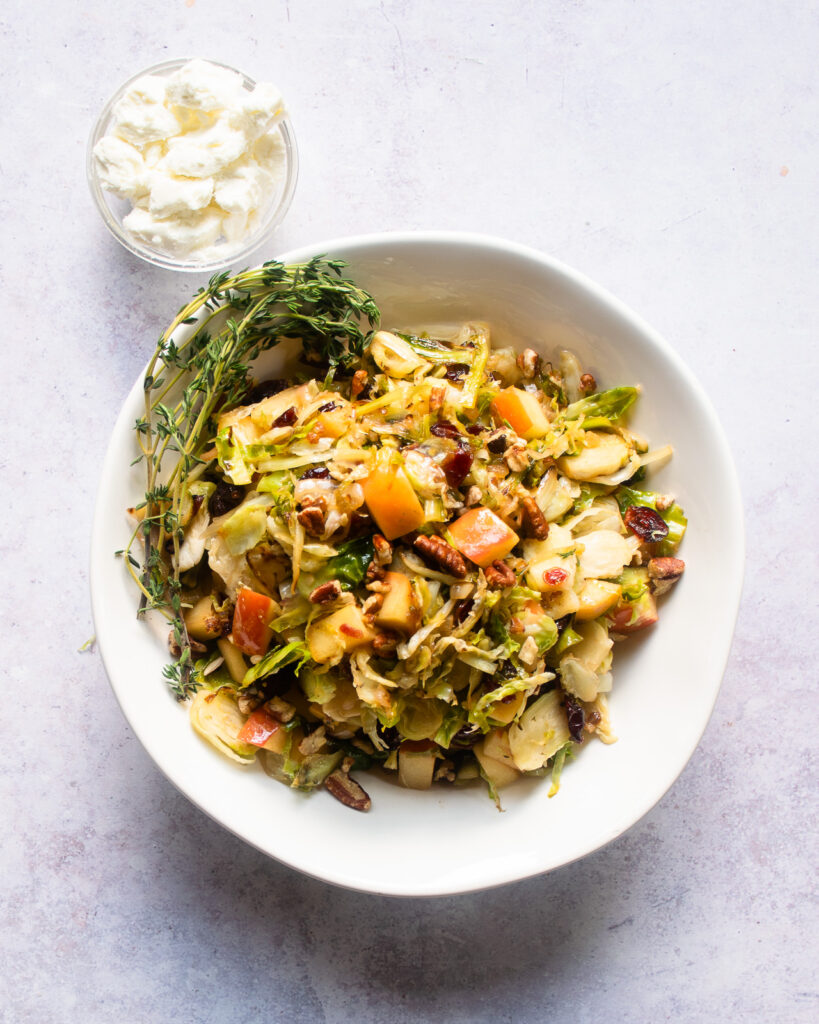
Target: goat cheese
x,y
199,156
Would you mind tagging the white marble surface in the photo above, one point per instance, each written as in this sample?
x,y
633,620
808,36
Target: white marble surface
x,y
669,151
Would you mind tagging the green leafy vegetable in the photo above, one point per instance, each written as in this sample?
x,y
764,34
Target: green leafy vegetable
x,y
350,565
274,661
602,409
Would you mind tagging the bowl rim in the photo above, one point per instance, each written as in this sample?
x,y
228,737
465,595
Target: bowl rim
x,y
732,592
275,215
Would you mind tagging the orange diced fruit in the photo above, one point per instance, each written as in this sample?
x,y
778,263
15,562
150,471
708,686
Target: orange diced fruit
x,y
392,502
522,411
482,536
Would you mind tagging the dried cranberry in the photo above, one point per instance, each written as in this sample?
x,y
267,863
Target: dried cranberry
x,y
461,610
475,429
497,445
466,736
646,523
328,407
554,577
391,736
265,389
575,716
457,465
315,473
443,428
287,418
224,498
455,371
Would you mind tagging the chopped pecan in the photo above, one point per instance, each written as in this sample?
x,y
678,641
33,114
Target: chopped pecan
x,y
534,520
517,457
347,790
528,363
326,592
436,550
176,650
383,549
588,385
593,719
280,710
436,400
663,501
516,626
312,516
498,575
248,701
384,644
663,573
474,496
359,384
313,742
528,652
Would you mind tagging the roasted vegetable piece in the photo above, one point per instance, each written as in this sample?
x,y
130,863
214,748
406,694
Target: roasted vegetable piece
x,y
522,411
390,498
482,536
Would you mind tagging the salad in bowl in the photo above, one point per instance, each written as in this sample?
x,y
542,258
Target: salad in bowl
x,y
412,554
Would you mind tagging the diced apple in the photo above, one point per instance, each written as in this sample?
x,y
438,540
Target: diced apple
x,y
400,610
234,659
416,765
596,598
262,730
505,710
343,630
334,422
251,631
560,603
522,411
495,759
600,455
482,536
632,616
552,562
390,497
202,621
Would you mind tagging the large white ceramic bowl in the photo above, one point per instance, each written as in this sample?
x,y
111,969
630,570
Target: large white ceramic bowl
x,y
454,840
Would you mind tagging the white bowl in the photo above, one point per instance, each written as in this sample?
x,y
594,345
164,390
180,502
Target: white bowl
x,y
113,210
665,682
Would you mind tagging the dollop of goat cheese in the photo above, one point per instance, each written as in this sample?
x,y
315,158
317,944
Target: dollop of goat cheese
x,y
198,155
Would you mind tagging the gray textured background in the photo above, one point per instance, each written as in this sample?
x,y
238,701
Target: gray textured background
x,y
667,150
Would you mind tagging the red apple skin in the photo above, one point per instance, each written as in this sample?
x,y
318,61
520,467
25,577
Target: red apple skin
x,y
631,617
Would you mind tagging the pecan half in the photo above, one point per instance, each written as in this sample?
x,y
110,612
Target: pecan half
x,y
248,701
312,516
375,573
383,549
444,556
663,573
347,791
359,384
280,709
498,575
384,644
534,520
528,363
326,592
588,385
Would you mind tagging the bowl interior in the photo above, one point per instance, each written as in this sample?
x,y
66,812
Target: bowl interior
x,y
113,209
665,682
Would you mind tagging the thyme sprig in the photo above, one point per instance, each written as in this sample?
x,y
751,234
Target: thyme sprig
x,y
189,381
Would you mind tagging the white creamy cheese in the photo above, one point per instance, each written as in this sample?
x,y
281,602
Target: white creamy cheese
x,y
198,155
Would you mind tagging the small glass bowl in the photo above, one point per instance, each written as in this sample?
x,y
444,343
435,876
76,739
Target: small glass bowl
x,y
113,209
